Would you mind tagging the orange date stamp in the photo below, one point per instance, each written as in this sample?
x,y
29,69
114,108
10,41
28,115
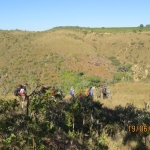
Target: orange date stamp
x,y
138,128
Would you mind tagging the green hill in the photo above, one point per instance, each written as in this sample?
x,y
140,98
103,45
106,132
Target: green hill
x,y
46,56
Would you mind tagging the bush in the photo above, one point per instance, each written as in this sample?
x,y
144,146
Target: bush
x,y
134,31
80,73
117,77
114,61
94,80
124,68
71,78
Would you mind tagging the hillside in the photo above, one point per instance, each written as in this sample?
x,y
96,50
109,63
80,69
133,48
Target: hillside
x,y
46,56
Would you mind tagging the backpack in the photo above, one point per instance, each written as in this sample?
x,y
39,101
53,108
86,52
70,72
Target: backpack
x,y
16,92
88,92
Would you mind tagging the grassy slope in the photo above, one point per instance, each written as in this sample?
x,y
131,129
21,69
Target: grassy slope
x,y
32,56
123,93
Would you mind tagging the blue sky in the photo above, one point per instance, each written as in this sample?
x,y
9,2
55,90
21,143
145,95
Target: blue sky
x,y
40,15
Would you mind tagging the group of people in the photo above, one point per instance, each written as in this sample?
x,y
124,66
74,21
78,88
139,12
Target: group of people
x,y
97,92
21,91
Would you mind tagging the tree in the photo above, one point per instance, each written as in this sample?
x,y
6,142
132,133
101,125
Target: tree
x,y
141,25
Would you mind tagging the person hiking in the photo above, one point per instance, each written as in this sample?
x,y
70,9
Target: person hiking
x,y
72,92
20,92
104,91
90,92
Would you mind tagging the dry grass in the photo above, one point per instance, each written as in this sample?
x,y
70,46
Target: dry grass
x,y
28,56
123,93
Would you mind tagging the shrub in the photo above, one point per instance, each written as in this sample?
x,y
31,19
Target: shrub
x,y
58,65
71,78
80,73
132,43
114,61
124,68
134,31
94,80
141,43
117,77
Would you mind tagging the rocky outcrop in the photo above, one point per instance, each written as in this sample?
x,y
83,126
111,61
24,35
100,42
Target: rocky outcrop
x,y
139,72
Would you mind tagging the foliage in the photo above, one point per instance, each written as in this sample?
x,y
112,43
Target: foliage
x,y
78,80
134,31
115,61
64,125
117,77
141,25
125,68
95,80
122,70
113,30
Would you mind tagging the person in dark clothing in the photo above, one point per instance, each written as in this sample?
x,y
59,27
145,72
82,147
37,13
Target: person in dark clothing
x,y
104,91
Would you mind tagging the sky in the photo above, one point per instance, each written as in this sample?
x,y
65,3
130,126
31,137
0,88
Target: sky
x,y
41,15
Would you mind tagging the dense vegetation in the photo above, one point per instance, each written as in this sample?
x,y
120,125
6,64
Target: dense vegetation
x,y
77,124
109,30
